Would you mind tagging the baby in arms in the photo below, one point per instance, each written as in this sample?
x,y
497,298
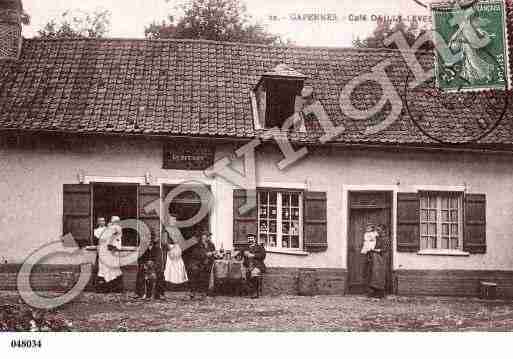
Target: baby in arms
x,y
369,239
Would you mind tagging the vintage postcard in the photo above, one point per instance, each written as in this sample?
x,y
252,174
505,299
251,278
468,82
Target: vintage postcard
x,y
215,166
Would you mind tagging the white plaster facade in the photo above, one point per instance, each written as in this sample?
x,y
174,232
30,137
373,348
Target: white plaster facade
x,y
32,180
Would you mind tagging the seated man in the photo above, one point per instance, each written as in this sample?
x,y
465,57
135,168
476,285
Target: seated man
x,y
254,257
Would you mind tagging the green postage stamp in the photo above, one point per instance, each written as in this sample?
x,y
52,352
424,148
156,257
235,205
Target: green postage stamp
x,y
472,47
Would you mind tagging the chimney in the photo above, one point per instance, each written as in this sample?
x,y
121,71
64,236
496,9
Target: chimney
x,y
11,18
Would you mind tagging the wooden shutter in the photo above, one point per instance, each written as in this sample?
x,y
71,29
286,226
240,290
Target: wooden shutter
x,y
474,240
151,217
315,222
76,210
242,223
408,222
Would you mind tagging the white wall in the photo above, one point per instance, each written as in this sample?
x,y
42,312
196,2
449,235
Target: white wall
x,y
31,193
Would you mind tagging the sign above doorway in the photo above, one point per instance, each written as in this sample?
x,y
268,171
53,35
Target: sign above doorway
x,y
187,156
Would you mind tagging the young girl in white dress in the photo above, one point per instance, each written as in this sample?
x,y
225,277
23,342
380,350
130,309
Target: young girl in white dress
x,y
175,269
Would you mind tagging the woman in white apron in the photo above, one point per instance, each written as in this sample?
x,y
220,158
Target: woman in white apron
x,y
108,260
175,269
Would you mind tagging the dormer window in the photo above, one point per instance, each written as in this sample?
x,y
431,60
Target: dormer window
x,y
275,96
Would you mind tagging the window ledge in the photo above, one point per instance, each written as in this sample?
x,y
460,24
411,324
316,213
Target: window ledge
x,y
122,249
443,252
293,252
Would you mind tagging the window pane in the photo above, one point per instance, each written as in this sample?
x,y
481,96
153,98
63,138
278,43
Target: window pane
x,y
445,242
285,242
454,229
445,229
272,241
424,215
445,203
295,199
454,216
285,199
424,202
432,242
263,239
285,213
445,216
294,242
454,202
272,198
294,228
454,243
272,226
272,212
263,212
264,227
432,229
424,229
285,227
432,216
295,214
263,197
424,242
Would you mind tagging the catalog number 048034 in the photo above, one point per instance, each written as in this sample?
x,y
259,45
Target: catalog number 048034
x,y
26,343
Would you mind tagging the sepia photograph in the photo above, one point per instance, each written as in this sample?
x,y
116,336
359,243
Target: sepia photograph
x,y
244,166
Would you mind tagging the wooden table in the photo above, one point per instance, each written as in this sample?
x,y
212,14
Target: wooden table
x,y
226,271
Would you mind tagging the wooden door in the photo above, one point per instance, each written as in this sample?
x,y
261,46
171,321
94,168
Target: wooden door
x,y
364,208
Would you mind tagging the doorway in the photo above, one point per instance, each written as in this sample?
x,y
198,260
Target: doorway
x,y
116,199
366,207
183,207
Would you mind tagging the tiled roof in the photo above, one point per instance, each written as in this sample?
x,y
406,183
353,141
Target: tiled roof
x,y
202,88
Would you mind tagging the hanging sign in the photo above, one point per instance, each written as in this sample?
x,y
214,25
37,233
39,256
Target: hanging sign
x,y
188,156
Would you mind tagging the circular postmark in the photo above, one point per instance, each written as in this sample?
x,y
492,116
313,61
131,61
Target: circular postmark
x,y
454,117
462,3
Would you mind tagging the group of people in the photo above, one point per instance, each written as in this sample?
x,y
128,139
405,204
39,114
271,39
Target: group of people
x,y
375,247
161,265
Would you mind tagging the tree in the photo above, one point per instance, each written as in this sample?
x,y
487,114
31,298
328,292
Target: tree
x,y
384,29
219,20
76,25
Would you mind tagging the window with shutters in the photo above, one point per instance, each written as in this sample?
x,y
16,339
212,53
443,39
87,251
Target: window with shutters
x,y
280,219
441,220
84,204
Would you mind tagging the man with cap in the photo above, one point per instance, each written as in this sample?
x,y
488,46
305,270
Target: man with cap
x,y
201,257
254,256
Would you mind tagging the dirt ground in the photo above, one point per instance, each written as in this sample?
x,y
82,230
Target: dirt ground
x,y
116,312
